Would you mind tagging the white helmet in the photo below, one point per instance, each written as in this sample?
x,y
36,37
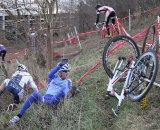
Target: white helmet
x,y
22,67
65,67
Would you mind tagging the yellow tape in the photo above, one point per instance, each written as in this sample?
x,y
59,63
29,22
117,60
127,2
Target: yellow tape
x,y
143,101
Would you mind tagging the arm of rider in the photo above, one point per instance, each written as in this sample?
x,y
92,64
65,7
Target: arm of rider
x,y
3,86
52,73
62,62
97,21
95,24
34,86
1,90
71,92
67,89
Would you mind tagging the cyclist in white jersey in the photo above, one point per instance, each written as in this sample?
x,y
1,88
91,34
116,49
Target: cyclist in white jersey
x,y
59,85
16,84
109,15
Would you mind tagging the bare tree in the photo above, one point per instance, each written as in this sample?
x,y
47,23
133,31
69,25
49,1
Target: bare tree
x,y
46,9
49,9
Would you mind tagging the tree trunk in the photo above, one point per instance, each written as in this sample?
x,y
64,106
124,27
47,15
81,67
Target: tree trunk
x,y
49,47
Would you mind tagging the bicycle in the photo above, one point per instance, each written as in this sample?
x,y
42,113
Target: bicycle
x,y
116,29
131,70
152,37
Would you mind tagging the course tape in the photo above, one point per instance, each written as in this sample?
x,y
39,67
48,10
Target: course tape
x,y
13,59
15,53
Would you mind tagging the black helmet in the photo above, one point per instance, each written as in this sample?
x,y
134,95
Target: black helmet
x,y
98,5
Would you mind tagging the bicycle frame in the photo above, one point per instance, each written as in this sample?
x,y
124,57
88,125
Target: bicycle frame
x,y
117,27
120,28
117,76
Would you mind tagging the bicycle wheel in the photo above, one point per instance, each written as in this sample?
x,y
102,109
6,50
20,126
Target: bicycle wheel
x,y
145,70
150,40
118,46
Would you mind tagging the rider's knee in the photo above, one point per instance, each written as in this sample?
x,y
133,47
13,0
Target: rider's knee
x,y
36,95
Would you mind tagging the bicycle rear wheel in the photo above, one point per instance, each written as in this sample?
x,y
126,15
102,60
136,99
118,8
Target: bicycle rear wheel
x,y
118,46
145,70
150,40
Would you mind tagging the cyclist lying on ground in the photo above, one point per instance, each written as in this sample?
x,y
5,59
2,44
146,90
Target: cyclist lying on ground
x,y
2,51
109,15
16,84
58,88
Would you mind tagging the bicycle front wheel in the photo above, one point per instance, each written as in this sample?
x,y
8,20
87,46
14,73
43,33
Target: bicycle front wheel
x,y
118,46
145,70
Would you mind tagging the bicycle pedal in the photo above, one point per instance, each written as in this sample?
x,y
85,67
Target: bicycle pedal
x,y
115,111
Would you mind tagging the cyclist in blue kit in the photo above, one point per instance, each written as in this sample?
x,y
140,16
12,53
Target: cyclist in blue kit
x,y
58,88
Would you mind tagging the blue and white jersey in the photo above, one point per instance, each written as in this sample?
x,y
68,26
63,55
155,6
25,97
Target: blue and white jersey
x,y
58,87
19,81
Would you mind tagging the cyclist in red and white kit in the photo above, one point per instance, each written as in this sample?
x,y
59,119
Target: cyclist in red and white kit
x,y
109,15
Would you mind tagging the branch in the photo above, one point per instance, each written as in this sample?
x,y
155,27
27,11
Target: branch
x,y
6,10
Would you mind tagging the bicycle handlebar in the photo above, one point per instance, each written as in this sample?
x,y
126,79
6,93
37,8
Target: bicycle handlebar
x,y
101,23
98,24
